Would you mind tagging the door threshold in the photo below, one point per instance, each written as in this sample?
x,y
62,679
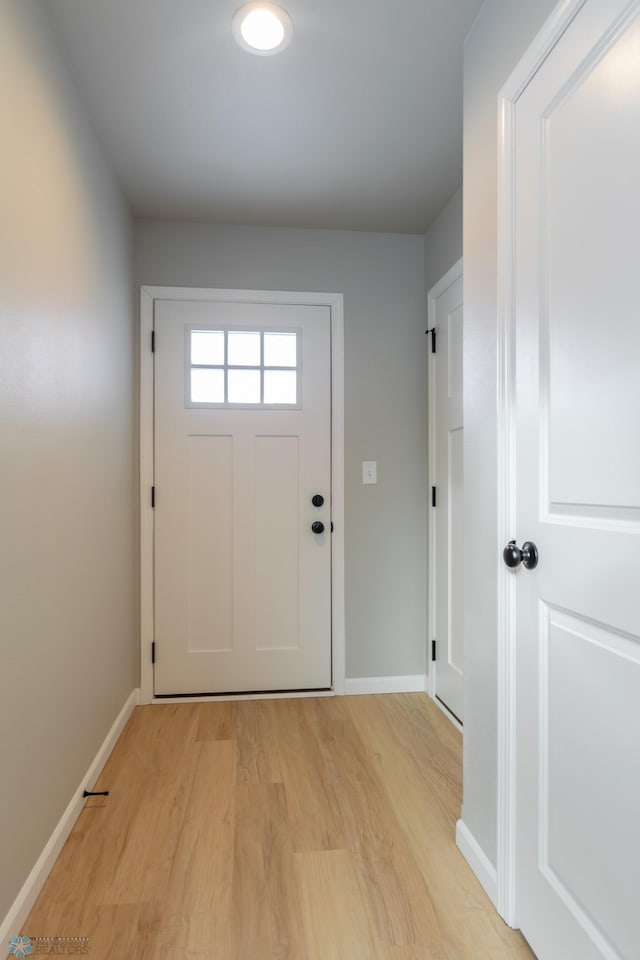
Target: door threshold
x,y
245,695
446,710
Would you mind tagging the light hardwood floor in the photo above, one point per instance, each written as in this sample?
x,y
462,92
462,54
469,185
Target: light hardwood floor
x,y
316,829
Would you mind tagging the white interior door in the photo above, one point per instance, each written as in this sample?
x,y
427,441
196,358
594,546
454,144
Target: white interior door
x,y
577,300
446,425
242,426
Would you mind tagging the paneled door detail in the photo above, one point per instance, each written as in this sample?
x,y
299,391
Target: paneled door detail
x,y
446,429
577,296
242,434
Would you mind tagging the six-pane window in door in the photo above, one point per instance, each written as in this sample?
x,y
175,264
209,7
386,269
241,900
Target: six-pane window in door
x,y
243,368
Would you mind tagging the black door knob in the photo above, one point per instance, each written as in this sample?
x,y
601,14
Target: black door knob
x,y
513,556
317,500
317,526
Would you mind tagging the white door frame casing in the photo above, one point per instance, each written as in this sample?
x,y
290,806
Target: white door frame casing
x,y
434,293
533,59
335,302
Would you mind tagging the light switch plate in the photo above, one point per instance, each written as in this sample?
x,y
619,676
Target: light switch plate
x,y
369,471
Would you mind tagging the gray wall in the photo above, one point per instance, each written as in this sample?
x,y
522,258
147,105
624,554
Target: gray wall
x,y
500,36
443,241
67,622
382,278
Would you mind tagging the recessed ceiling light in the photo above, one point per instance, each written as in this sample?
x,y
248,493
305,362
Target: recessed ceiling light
x,y
262,28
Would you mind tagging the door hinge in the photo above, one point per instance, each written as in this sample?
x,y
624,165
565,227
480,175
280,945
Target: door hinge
x,y
153,341
153,652
433,496
433,650
153,496
432,331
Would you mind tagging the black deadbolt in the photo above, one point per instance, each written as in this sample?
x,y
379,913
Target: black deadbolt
x,y
317,500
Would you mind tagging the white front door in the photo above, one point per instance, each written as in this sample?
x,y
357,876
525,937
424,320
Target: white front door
x,y
242,426
446,425
577,308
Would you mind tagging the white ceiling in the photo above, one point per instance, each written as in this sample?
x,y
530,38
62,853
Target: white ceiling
x,y
357,125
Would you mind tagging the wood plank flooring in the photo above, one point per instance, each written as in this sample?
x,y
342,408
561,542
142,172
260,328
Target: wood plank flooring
x,y
316,829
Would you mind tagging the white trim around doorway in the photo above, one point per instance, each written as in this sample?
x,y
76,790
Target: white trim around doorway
x,y
434,293
335,302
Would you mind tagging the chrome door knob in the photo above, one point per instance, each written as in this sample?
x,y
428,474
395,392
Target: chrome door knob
x,y
513,556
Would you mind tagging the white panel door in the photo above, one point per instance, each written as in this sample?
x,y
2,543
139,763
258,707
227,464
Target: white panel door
x,y
577,300
446,470
242,444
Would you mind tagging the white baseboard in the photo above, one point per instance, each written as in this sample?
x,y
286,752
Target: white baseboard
x,y
412,684
478,861
22,905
